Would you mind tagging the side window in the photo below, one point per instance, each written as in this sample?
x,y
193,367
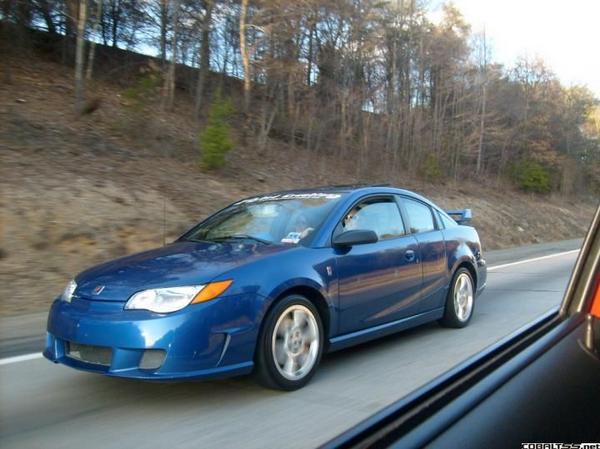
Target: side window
x,y
381,216
421,219
448,222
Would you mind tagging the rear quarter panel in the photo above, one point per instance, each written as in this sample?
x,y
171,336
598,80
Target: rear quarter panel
x,y
463,245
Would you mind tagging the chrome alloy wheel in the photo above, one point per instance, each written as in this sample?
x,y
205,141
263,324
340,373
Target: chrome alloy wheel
x,y
295,342
463,296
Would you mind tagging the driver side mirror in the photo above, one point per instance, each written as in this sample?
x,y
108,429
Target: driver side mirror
x,y
355,237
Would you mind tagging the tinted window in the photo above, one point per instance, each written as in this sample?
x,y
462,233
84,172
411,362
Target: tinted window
x,y
381,216
421,219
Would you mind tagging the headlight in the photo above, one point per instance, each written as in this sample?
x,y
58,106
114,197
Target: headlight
x,y
171,299
67,294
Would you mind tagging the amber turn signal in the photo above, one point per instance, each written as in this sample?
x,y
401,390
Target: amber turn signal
x,y
211,291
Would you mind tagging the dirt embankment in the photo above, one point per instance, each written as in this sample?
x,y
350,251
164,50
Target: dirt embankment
x,y
77,191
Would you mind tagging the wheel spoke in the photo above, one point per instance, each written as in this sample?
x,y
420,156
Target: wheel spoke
x,y
301,359
289,364
310,333
284,327
463,285
299,318
280,353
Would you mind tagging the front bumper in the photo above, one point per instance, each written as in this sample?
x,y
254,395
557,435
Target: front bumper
x,y
212,339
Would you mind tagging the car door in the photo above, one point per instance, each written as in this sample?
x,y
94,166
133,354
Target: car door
x,y
378,282
424,227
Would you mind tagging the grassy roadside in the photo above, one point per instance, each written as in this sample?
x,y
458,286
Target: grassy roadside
x,y
78,191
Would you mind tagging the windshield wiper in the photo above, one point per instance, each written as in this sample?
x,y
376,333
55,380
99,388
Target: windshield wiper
x,y
242,237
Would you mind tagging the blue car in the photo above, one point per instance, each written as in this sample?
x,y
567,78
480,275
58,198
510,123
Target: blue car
x,y
270,283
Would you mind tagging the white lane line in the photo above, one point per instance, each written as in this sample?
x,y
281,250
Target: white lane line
x,y
549,256
21,358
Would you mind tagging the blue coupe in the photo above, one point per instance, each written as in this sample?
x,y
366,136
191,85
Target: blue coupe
x,y
269,284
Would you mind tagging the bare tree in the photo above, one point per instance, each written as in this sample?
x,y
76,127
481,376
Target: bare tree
x,y
80,57
169,87
360,79
245,54
204,54
164,18
484,63
92,51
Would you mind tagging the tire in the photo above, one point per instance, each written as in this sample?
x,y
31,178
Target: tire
x,y
290,344
460,301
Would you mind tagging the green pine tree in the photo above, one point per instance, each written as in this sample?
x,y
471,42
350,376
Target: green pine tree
x,y
215,138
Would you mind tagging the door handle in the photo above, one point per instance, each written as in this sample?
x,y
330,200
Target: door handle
x,y
409,255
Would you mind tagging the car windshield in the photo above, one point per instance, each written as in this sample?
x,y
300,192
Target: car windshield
x,y
280,218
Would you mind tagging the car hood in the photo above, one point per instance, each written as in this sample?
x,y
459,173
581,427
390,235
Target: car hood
x,y
180,263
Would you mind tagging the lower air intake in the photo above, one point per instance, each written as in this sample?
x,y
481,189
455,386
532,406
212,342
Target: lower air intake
x,y
152,359
97,355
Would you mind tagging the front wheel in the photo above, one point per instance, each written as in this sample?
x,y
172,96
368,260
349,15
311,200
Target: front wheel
x,y
459,303
290,344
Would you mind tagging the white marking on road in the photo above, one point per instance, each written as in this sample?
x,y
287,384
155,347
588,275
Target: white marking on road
x,y
21,358
549,256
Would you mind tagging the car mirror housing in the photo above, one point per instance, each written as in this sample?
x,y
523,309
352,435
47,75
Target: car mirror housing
x,y
355,237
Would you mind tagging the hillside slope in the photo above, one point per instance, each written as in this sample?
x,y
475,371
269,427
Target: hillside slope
x,y
77,191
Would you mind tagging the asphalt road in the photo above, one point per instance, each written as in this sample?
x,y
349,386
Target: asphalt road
x,y
50,406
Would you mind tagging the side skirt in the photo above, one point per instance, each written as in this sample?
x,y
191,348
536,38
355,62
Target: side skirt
x,y
364,335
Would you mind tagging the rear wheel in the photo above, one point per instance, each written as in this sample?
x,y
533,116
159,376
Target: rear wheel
x,y
290,344
460,300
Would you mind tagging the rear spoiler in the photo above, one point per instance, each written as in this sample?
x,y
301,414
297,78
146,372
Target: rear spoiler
x,y
461,216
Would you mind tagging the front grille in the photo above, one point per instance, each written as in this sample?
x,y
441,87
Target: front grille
x,y
98,355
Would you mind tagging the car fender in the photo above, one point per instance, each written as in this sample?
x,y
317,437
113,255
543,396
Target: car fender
x,y
301,268
459,251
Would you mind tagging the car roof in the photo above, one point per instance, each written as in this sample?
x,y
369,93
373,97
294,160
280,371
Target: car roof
x,y
342,188
354,189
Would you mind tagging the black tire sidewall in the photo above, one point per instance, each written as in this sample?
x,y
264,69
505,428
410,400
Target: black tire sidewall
x,y
267,372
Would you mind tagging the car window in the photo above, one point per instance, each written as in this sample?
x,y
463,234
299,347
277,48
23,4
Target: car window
x,y
447,221
421,219
279,218
381,216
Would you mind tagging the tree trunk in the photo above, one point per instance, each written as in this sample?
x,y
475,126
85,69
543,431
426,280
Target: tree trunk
x,y
244,54
170,79
71,19
204,56
92,53
79,57
481,129
164,17
310,54
44,8
116,16
483,105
